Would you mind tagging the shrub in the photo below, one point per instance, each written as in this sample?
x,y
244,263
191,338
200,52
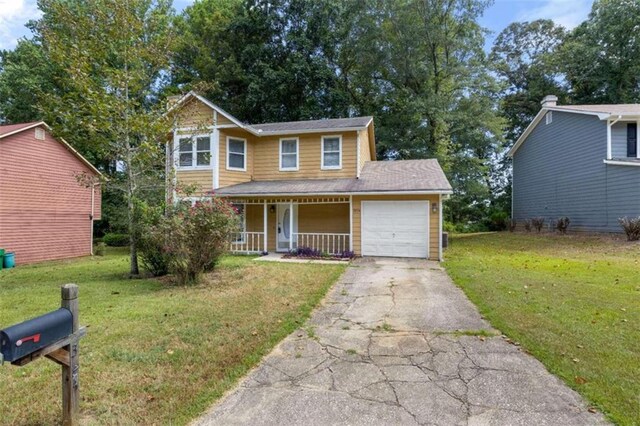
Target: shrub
x,y
537,223
512,225
307,252
116,240
101,249
562,224
196,236
527,225
631,227
347,254
498,221
154,253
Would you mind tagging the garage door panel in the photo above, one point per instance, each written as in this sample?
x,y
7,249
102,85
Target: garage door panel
x,y
395,228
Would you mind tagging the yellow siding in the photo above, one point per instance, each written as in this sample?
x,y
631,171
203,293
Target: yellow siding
x,y
433,218
267,158
232,177
194,114
203,179
223,120
365,150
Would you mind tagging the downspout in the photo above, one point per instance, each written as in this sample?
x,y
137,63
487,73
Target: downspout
x,y
91,216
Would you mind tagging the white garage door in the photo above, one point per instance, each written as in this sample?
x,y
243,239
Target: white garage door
x,y
395,228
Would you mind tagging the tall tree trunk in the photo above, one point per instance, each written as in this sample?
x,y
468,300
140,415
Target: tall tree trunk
x,y
131,215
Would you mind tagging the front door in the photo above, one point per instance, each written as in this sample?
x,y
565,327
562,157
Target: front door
x,y
284,230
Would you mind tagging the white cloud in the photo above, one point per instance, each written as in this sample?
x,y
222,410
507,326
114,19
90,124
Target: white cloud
x,y
13,15
568,13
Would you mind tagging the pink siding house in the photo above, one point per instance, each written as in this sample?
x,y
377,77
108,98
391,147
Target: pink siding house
x,y
45,213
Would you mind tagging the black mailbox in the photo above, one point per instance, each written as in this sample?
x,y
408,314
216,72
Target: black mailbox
x,y
27,337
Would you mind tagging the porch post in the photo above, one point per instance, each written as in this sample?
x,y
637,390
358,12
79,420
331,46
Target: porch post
x,y
290,225
609,140
350,222
265,226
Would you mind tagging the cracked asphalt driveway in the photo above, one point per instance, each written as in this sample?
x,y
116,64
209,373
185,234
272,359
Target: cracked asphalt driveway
x,y
396,342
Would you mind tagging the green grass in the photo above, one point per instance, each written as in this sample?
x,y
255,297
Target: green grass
x,y
154,353
571,301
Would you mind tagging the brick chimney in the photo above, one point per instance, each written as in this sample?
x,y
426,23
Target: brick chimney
x,y
549,101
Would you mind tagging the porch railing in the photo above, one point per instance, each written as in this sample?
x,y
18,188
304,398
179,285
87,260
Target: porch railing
x,y
247,242
325,242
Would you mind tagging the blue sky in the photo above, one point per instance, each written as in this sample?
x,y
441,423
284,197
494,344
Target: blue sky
x,y
15,13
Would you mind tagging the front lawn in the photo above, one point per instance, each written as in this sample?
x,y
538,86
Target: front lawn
x,y
154,353
571,301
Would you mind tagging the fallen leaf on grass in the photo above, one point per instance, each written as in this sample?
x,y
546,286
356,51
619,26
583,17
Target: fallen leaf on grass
x,y
592,410
575,360
580,380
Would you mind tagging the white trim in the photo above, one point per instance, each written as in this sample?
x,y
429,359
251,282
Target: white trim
x,y
322,152
216,160
548,117
244,155
314,194
172,164
351,223
621,163
303,131
440,257
357,155
264,225
211,105
22,129
291,230
289,169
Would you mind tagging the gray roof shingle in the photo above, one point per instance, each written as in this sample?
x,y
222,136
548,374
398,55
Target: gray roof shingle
x,y
376,176
327,124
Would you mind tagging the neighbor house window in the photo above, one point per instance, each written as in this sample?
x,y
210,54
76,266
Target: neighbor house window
x,y
289,154
549,117
194,152
632,140
236,154
331,152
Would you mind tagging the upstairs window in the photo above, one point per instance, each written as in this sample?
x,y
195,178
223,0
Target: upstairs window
x,y
632,140
236,154
289,154
549,117
194,152
331,152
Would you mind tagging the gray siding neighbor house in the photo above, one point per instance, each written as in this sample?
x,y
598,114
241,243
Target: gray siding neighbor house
x,y
580,161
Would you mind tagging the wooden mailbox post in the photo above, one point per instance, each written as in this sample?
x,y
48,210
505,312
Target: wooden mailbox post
x,y
64,352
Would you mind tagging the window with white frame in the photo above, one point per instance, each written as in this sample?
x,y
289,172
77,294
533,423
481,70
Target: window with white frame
x,y
236,154
194,151
289,154
549,117
331,152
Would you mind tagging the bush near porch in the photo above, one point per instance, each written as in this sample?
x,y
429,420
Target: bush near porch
x,y
571,301
154,353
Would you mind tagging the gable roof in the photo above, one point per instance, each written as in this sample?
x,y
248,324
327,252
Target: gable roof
x,y
12,129
392,177
281,128
330,124
603,112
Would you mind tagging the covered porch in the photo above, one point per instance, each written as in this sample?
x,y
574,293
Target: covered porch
x,y
322,223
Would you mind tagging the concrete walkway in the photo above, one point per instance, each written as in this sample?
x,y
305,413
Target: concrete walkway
x,y
395,342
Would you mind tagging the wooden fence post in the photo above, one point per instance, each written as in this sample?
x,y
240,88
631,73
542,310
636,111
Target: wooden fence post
x,y
71,372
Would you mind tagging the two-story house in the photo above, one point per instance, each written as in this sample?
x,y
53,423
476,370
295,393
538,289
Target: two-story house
x,y
310,184
579,161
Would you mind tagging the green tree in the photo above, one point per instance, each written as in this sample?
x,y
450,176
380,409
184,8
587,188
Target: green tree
x,y
522,58
25,75
600,56
113,55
